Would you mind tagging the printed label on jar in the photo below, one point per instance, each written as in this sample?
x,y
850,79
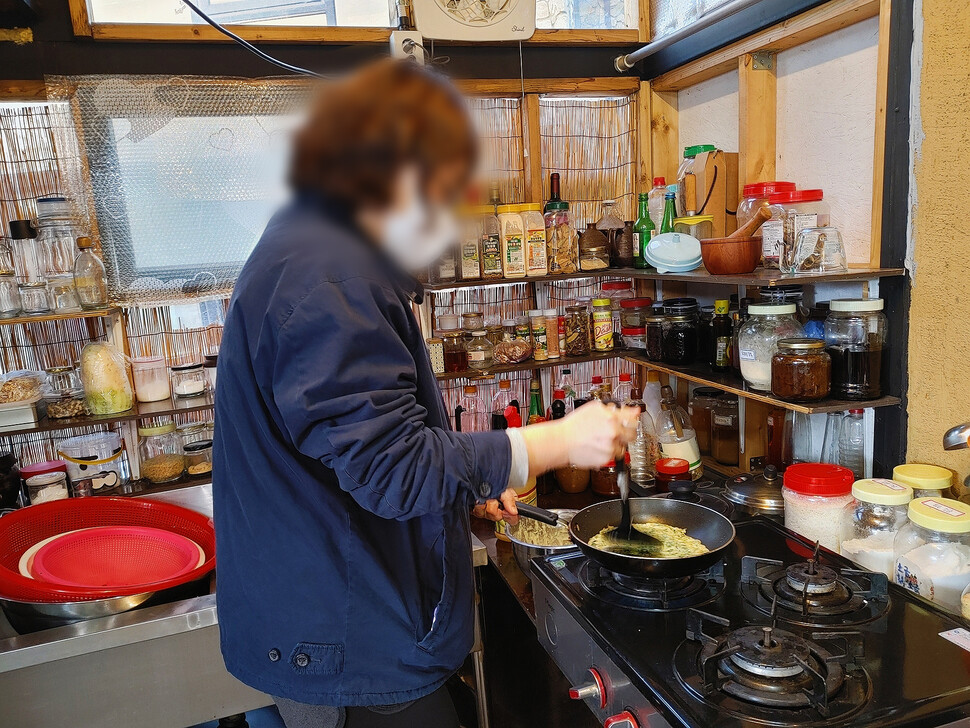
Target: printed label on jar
x,y
491,255
684,450
772,235
891,484
447,267
722,352
537,250
476,356
912,577
746,355
796,222
722,421
514,255
470,266
940,507
603,332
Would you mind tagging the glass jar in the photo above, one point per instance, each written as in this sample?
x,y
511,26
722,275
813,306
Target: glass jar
x,y
34,297
799,209
815,495
697,226
577,330
725,430
160,453
700,407
63,294
448,322
634,311
603,481
932,551
801,370
89,277
456,358
10,303
634,337
47,487
594,249
192,432
30,256
816,250
679,339
198,457
680,307
654,337
472,321
855,337
870,523
57,231
210,362
602,324
758,339
755,195
624,251
925,480
150,374
480,350
562,252
188,380
670,470
64,393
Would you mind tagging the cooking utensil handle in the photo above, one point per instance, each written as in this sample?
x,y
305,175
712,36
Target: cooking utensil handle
x,y
537,514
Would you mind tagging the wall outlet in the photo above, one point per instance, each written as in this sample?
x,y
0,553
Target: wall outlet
x,y
407,44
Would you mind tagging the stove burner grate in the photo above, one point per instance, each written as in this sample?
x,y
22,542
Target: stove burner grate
x,y
654,595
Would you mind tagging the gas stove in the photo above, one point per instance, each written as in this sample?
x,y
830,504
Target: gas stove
x,y
779,634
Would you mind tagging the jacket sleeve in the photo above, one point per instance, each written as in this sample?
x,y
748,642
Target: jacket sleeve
x,y
344,382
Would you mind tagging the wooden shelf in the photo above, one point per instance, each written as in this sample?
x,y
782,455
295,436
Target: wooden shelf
x,y
731,382
529,365
141,410
60,316
760,277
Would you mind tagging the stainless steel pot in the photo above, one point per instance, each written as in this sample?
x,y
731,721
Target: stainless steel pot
x,y
525,551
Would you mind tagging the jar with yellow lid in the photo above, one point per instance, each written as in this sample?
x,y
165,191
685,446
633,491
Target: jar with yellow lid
x,y
602,324
932,551
698,226
925,480
160,453
870,522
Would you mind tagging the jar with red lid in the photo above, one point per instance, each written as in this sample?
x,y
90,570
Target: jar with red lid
x,y
815,495
797,210
755,195
46,481
669,470
634,311
604,480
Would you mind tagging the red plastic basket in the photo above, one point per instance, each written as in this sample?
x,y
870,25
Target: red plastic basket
x,y
23,528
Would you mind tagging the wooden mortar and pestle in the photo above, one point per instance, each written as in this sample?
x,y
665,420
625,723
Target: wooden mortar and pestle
x,y
739,252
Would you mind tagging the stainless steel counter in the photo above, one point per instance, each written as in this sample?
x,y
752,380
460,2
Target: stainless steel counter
x,y
157,667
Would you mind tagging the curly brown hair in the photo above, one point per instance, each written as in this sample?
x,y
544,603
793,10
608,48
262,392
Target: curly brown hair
x,y
365,127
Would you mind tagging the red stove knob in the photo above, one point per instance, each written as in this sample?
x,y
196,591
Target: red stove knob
x,y
594,689
621,720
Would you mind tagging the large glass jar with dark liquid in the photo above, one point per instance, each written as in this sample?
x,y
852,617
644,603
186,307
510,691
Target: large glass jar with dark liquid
x,y
855,339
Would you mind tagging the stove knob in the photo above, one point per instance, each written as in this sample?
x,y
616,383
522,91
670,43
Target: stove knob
x,y
621,720
594,689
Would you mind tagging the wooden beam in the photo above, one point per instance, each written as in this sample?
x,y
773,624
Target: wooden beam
x,y
664,135
644,22
757,110
23,90
644,140
623,36
879,152
532,149
612,85
80,20
815,23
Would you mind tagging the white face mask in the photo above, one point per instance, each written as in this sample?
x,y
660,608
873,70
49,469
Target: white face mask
x,y
417,235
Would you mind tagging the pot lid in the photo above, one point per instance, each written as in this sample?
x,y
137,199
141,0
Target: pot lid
x,y
760,492
687,490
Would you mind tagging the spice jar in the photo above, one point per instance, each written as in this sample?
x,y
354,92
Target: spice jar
x,y
34,297
552,333
801,370
602,324
604,480
472,321
725,430
480,350
491,243
512,236
871,521
925,480
495,332
668,471
932,551
198,457
594,250
815,495
160,453
456,358
699,407
561,248
540,337
577,330
758,340
680,339
47,487
654,338
152,383
188,380
855,337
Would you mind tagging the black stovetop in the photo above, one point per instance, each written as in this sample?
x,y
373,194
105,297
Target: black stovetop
x,y
898,671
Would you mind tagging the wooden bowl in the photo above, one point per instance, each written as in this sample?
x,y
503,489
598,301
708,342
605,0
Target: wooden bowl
x,y
731,256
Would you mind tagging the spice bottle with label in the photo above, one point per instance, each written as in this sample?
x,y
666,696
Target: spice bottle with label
x,y
602,324
552,333
535,240
512,234
470,248
722,334
491,244
540,336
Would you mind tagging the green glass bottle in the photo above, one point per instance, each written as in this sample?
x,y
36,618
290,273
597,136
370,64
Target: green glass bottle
x,y
670,212
536,410
643,230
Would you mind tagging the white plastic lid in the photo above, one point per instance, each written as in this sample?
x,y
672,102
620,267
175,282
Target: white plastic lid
x,y
46,478
771,309
856,304
48,207
508,323
551,312
536,312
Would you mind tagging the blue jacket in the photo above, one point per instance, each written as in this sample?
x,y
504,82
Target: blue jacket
x,y
341,495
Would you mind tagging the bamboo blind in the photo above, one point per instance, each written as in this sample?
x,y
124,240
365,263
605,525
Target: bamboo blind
x,y
156,331
591,142
499,125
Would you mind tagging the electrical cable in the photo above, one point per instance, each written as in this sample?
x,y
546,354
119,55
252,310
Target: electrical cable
x,y
250,47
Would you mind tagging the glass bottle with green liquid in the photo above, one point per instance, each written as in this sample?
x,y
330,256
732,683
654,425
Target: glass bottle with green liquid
x,y
643,231
670,210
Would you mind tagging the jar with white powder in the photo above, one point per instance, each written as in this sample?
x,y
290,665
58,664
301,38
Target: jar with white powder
x,y
758,340
815,495
932,551
871,521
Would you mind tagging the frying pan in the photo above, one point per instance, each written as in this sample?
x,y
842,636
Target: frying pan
x,y
708,526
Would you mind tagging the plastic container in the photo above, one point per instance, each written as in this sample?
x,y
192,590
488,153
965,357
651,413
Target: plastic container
x,y
634,337
758,339
655,201
536,261
540,337
562,252
677,436
474,415
925,480
870,522
797,210
801,370
634,311
602,324
755,195
152,383
188,380
815,495
491,243
698,226
669,470
932,551
480,350
552,333
96,463
160,453
852,443
815,250
47,487
198,458
855,337
470,247
512,237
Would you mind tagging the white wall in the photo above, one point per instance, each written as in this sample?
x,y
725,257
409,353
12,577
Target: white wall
x,y
708,113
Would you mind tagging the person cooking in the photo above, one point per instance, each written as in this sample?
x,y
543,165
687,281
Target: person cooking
x,y
341,494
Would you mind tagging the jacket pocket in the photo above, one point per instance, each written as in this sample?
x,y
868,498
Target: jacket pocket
x,y
441,614
314,658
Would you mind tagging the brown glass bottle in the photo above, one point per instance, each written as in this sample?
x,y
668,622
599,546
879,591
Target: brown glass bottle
x,y
722,336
